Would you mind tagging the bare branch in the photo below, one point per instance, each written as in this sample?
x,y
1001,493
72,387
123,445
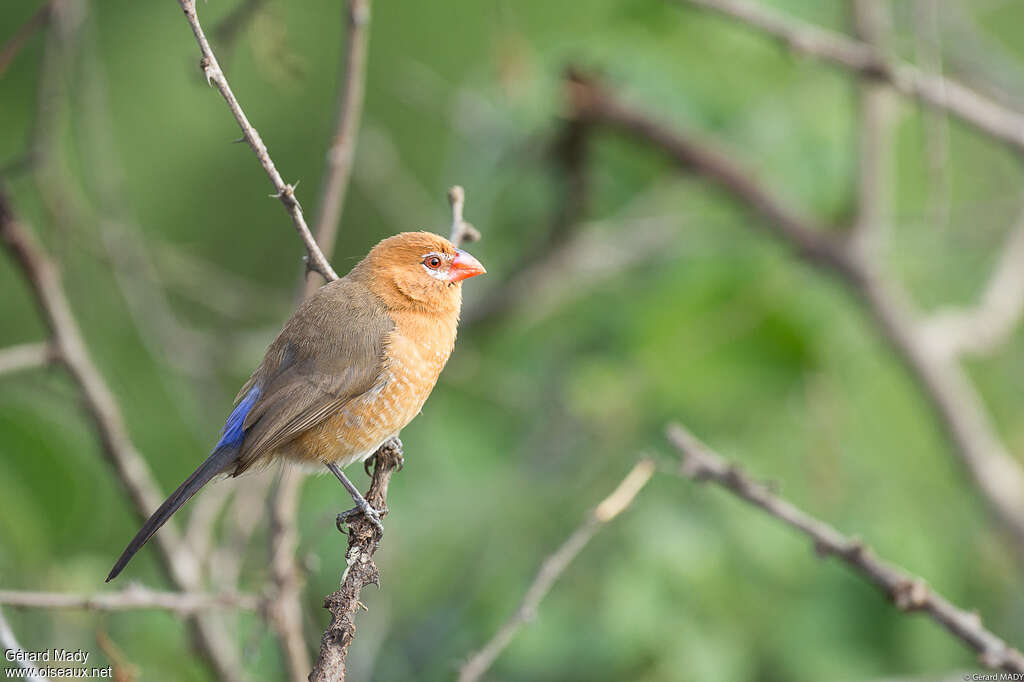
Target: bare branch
x,y
591,102
70,348
876,115
959,408
972,107
244,516
25,356
131,598
461,230
342,151
908,592
986,326
285,607
130,466
360,571
10,643
554,566
284,192
928,53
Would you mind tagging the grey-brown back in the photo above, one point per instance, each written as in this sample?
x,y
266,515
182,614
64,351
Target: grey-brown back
x,y
329,352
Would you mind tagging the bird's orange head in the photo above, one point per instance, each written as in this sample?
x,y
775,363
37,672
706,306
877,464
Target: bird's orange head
x,y
419,270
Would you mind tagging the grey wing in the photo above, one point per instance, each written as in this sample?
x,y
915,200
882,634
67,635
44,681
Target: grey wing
x,y
329,352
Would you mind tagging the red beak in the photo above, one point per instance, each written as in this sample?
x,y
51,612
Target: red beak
x,y
464,266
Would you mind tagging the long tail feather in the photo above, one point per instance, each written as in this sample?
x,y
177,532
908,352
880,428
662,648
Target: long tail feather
x,y
214,464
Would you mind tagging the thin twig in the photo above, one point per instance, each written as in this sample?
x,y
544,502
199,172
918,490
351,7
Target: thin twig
x,y
555,565
10,643
876,115
928,52
982,328
461,230
985,114
907,591
25,356
341,153
283,191
131,598
959,408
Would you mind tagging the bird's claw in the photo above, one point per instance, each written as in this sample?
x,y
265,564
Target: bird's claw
x,y
369,513
395,447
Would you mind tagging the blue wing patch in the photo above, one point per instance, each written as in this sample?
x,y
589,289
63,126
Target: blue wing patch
x,y
233,433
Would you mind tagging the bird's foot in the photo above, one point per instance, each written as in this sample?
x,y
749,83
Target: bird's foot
x,y
394,449
362,506
367,512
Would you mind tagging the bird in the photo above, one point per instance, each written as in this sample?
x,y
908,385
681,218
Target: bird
x,y
352,366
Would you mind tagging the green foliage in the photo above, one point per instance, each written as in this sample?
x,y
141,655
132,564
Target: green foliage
x,y
539,414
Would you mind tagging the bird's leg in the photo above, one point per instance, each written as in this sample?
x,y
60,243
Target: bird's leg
x,y
362,506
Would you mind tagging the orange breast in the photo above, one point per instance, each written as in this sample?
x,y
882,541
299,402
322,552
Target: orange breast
x,y
417,351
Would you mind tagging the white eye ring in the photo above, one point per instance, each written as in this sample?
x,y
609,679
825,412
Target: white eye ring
x,y
432,264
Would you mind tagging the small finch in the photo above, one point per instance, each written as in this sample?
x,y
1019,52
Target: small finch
x,y
350,369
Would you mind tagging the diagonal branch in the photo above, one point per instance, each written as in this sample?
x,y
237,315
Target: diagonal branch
x,y
70,349
908,592
10,643
286,193
972,107
956,402
554,566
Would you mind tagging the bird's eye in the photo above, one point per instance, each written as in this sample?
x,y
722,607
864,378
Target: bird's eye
x,y
432,262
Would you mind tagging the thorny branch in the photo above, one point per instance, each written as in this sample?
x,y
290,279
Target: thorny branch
x,y
908,592
554,566
285,192
360,571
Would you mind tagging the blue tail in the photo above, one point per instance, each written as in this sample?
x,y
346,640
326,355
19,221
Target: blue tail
x,y
223,456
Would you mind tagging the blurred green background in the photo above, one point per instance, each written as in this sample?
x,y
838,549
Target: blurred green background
x,y
181,269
